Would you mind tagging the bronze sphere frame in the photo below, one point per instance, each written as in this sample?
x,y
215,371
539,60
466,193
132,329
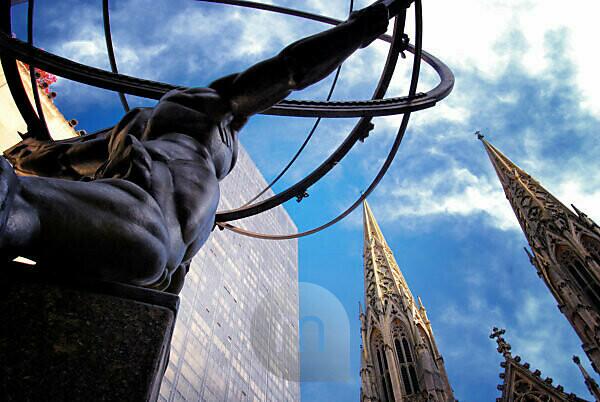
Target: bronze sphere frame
x,y
13,49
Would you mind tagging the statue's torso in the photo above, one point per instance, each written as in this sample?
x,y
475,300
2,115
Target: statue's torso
x,y
177,152
173,154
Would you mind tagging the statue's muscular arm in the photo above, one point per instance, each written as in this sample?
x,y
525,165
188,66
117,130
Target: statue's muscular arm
x,y
301,64
132,230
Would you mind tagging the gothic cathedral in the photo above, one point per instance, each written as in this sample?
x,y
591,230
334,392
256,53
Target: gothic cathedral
x,y
400,359
565,249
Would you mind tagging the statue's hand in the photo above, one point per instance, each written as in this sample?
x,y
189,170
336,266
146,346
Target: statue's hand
x,y
395,6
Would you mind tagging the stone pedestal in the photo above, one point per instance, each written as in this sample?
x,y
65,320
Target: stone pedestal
x,y
81,341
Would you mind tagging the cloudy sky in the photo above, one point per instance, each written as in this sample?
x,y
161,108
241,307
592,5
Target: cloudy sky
x,y
526,75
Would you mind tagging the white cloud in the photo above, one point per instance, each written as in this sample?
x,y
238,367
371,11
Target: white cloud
x,y
437,192
476,35
454,191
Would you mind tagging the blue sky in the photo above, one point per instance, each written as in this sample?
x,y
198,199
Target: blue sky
x,y
526,76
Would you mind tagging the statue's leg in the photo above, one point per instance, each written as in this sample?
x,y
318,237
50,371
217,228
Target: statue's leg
x,y
107,229
8,188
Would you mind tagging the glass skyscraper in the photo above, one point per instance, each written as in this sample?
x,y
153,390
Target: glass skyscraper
x,y
236,337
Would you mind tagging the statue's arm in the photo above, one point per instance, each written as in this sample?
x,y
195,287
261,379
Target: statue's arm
x,y
302,63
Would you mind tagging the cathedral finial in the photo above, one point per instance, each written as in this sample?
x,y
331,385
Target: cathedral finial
x,y
531,257
584,218
503,346
591,384
577,210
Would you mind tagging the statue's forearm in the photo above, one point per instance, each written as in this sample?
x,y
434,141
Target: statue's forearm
x,y
301,64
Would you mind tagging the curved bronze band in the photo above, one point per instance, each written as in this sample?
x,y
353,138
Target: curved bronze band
x,y
385,167
365,109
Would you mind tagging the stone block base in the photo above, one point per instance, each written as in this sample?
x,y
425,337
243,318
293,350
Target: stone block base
x,y
81,341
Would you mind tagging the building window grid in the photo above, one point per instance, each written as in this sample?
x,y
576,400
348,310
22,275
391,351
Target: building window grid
x,y
206,323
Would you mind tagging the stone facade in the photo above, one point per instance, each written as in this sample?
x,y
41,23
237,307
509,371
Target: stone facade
x,y
237,336
11,122
565,246
399,357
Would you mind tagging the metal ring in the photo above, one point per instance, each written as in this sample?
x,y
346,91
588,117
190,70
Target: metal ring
x,y
312,131
386,165
154,90
34,83
359,132
376,107
110,49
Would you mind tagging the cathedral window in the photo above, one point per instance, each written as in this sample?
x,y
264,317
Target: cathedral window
x,y
407,350
580,274
388,380
399,352
381,377
406,362
593,247
413,378
406,381
387,392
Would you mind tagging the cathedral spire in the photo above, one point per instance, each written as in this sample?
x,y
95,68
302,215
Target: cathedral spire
x,y
565,248
372,232
591,384
518,185
383,279
400,359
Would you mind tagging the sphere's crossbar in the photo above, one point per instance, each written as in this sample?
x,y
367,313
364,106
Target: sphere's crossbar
x,y
13,49
394,51
110,49
13,77
312,131
154,90
45,133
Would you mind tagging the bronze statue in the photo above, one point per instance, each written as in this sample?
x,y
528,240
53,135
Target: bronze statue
x,y
135,203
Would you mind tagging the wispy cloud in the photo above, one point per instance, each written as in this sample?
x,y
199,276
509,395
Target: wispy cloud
x,y
536,118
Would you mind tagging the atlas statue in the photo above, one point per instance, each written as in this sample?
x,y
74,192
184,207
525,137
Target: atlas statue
x,y
135,203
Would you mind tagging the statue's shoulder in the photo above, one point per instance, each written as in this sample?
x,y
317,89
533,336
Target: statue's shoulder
x,y
206,100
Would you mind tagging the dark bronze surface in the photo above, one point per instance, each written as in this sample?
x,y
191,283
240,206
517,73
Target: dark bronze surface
x,y
78,341
147,190
13,80
110,50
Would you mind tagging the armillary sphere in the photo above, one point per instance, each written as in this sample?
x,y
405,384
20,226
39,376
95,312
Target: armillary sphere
x,y
14,49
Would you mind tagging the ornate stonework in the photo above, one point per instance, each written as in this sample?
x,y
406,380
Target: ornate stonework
x,y
566,249
400,359
521,384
